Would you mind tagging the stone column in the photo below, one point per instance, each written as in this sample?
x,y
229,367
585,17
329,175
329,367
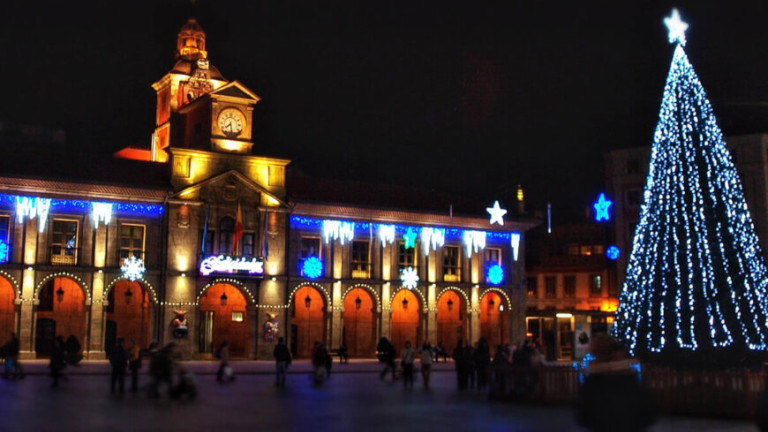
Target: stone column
x,y
386,312
335,330
431,335
95,347
27,320
474,314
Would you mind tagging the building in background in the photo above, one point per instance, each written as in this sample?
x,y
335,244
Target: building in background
x,y
626,175
197,240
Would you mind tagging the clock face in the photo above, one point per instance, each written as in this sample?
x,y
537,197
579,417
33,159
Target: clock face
x,y
231,122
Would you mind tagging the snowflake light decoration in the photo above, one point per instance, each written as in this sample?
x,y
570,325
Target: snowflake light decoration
x,y
133,268
495,274
312,267
409,278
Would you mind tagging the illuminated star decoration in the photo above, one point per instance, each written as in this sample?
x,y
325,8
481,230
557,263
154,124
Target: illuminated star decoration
x,y
312,267
3,251
409,278
133,268
676,28
497,213
410,239
601,208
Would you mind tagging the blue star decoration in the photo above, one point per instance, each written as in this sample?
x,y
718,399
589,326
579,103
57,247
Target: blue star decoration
x,y
497,214
676,28
410,239
601,208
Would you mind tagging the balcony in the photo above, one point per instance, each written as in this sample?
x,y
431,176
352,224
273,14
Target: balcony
x,y
63,256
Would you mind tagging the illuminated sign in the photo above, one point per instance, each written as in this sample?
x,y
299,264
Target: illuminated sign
x,y
232,265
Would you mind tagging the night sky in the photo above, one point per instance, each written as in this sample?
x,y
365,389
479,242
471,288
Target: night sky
x,y
467,97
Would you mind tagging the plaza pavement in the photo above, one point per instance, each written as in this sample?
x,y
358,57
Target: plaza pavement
x,y
353,399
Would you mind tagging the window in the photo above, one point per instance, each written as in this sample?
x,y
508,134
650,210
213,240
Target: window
x,y
6,251
237,316
406,257
595,286
310,246
131,241
573,249
634,198
598,249
492,256
533,289
247,245
226,235
586,250
569,286
550,287
452,264
361,259
64,242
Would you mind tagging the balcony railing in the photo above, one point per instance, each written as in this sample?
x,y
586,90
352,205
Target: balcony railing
x,y
61,255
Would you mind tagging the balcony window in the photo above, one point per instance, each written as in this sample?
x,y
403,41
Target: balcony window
x,y
406,257
550,287
532,287
64,242
569,286
595,286
361,259
226,235
131,241
452,264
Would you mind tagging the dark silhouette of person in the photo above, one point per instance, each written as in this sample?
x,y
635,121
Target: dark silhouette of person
x,y
223,355
282,361
11,352
482,360
57,361
387,354
118,359
72,350
134,364
461,364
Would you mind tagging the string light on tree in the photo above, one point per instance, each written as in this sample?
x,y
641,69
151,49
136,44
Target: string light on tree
x,y
696,278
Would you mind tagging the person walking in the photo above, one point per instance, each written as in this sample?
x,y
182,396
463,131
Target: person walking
x,y
482,361
407,357
386,353
319,361
426,361
11,351
282,361
134,364
57,361
460,363
224,373
118,359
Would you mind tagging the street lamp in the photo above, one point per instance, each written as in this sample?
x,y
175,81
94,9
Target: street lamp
x,y
128,296
491,303
307,301
223,299
358,303
59,295
405,303
450,305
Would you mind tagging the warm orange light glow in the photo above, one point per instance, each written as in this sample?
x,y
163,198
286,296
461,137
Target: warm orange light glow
x,y
609,320
134,153
609,306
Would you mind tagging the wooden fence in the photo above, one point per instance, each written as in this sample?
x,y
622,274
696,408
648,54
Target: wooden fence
x,y
718,394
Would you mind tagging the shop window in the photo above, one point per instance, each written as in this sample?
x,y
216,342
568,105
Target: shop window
x,y
64,242
361,259
452,264
569,286
406,257
131,241
550,287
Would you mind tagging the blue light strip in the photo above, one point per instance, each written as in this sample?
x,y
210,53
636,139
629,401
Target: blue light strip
x,y
364,228
65,205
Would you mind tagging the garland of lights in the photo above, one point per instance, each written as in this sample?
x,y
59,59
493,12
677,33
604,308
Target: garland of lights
x,y
696,277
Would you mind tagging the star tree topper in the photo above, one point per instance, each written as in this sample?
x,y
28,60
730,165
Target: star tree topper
x,y
497,213
676,28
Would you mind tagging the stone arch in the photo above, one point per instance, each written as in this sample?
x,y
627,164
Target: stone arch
x,y
313,284
368,288
308,318
224,316
503,294
407,321
359,321
494,320
453,309
8,297
129,311
144,284
417,293
60,310
234,282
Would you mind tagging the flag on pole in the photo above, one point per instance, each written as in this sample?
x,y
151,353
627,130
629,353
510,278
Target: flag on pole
x,y
265,237
205,231
238,231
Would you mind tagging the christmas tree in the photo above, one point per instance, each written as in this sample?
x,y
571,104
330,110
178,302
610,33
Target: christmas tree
x,y
695,293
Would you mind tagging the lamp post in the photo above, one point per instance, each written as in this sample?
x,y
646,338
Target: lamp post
x,y
308,303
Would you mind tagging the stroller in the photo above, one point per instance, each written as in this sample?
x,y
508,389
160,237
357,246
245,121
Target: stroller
x,y
186,385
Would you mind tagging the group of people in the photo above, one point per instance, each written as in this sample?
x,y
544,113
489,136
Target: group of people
x,y
387,354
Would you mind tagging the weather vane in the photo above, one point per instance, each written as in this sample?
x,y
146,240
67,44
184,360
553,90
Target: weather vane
x,y
676,28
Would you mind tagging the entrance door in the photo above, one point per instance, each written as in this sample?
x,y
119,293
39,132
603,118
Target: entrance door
x,y
44,336
206,332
